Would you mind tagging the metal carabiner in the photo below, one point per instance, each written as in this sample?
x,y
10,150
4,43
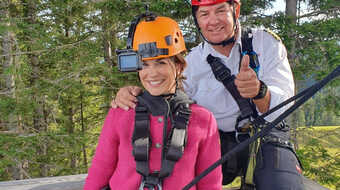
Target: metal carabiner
x,y
243,130
158,186
141,187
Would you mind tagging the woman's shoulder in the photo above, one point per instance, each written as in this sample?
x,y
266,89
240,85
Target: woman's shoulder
x,y
121,111
197,107
117,117
118,113
200,112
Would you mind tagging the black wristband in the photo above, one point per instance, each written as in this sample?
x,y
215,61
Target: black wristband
x,y
262,92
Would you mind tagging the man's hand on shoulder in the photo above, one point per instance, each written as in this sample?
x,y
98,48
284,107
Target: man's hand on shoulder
x,y
126,97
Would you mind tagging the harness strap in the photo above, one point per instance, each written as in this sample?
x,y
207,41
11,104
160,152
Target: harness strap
x,y
253,150
151,182
173,149
141,140
247,49
223,74
177,140
246,106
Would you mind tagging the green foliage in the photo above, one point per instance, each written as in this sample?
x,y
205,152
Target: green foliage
x,y
249,7
316,113
320,48
54,150
318,152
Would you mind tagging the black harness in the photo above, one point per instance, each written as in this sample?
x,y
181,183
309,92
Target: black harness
x,y
247,108
223,74
174,143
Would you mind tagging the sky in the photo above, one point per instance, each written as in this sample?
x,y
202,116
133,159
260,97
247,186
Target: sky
x,y
278,5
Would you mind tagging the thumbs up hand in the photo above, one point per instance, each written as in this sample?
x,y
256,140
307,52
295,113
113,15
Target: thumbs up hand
x,y
246,80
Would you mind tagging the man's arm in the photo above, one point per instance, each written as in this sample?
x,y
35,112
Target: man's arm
x,y
275,71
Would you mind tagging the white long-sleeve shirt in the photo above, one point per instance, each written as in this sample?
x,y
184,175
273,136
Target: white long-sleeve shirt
x,y
202,86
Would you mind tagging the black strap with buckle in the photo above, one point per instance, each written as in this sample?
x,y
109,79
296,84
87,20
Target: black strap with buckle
x,y
247,108
173,148
151,182
222,73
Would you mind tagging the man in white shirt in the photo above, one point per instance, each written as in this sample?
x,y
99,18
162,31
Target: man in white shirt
x,y
217,20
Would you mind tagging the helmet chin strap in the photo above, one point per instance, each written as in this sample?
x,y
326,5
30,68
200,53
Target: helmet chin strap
x,y
223,43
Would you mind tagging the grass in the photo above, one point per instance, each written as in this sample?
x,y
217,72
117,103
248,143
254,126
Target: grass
x,y
321,146
321,128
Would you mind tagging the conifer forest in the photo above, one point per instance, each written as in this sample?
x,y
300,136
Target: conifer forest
x,y
58,75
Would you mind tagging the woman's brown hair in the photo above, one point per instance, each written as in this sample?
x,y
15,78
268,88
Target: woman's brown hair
x,y
179,59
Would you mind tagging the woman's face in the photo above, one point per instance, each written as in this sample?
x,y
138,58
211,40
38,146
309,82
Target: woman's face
x,y
159,76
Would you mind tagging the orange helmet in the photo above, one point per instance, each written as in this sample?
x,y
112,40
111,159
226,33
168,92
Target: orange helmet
x,y
158,37
209,2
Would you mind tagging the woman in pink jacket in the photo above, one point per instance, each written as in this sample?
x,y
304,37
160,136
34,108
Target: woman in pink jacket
x,y
167,140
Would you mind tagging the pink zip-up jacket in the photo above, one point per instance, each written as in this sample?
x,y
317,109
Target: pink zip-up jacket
x,y
114,164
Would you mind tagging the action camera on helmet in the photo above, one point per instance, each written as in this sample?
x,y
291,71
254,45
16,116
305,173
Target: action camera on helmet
x,y
150,37
129,60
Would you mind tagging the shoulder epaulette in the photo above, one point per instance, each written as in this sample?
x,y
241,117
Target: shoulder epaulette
x,y
273,34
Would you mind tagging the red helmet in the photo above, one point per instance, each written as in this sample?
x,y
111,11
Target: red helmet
x,y
209,2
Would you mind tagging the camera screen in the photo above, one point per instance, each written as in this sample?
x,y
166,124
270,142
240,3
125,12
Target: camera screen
x,y
128,61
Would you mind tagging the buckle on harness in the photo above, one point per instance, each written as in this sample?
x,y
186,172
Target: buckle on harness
x,y
177,144
242,132
278,141
140,149
151,182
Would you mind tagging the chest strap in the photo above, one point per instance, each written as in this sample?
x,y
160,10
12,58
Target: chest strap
x,y
247,49
223,74
172,150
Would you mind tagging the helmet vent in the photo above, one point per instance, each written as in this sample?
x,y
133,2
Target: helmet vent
x,y
168,40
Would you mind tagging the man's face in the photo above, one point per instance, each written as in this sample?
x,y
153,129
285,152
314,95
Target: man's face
x,y
216,21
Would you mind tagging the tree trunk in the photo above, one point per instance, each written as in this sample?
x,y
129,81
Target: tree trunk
x,y
68,102
38,112
83,130
70,126
108,40
291,13
7,86
30,11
